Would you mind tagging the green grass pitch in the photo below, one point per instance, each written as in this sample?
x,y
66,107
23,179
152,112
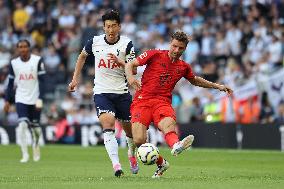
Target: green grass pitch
x,y
75,167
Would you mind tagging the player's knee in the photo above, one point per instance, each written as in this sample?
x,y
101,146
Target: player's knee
x,y
139,140
128,132
167,125
23,125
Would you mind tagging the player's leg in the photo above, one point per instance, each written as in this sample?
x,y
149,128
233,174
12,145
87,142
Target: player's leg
x,y
122,105
141,117
36,132
23,124
131,147
106,114
165,118
139,133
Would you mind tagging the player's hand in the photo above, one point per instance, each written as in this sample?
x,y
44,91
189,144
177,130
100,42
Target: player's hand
x,y
134,83
115,59
39,103
72,86
226,89
6,107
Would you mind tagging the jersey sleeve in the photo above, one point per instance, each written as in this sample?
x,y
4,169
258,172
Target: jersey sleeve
x,y
130,52
11,72
146,57
88,47
41,78
189,73
9,96
40,67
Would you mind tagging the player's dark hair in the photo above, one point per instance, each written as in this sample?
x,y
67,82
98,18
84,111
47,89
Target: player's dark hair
x,y
25,41
181,36
111,15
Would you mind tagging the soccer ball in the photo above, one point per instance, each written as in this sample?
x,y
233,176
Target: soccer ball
x,y
148,154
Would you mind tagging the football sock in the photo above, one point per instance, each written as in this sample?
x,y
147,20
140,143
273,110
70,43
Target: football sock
x,y
36,132
171,138
23,127
131,146
160,160
111,146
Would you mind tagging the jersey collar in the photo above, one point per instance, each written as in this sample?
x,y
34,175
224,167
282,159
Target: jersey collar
x,y
111,43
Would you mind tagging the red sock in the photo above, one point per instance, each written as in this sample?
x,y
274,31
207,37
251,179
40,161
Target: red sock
x,y
171,138
160,160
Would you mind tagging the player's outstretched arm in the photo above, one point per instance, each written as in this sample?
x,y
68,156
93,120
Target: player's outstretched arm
x,y
78,68
199,81
129,67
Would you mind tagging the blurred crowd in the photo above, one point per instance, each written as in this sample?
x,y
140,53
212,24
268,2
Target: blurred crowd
x,y
231,42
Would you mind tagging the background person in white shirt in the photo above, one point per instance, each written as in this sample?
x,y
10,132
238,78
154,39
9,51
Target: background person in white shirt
x,y
27,71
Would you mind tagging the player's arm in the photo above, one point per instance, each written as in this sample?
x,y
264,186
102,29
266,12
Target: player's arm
x,y
199,81
41,83
129,56
9,96
129,67
79,65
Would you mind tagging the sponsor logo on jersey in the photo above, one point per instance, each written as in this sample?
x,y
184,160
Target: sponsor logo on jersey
x,y
108,64
26,77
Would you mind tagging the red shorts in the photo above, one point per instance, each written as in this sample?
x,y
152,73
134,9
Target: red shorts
x,y
150,110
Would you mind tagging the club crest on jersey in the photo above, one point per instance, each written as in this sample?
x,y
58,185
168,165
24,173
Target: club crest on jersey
x,y
26,77
108,64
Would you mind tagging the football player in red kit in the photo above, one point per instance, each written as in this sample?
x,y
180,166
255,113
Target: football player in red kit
x,y
152,101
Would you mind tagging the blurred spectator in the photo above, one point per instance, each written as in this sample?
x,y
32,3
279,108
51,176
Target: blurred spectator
x,y
20,18
39,17
5,57
212,111
221,49
51,58
249,111
128,26
266,112
255,48
90,30
86,6
196,110
275,52
64,132
229,108
207,44
73,49
280,113
233,39
66,19
4,16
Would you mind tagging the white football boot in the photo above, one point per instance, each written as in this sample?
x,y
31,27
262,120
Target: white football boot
x,y
182,145
25,158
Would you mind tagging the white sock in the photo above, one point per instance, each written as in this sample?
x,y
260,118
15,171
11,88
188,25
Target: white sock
x,y
23,127
111,147
36,132
131,146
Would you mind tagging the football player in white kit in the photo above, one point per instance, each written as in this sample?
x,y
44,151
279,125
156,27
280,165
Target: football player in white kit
x,y
111,95
27,71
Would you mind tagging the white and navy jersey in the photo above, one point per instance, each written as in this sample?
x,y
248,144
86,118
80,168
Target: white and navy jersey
x,y
110,77
25,75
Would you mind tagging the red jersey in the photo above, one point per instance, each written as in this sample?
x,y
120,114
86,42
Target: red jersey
x,y
161,75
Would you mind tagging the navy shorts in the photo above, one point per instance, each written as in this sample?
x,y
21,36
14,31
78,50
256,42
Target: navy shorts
x,y
28,113
116,104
